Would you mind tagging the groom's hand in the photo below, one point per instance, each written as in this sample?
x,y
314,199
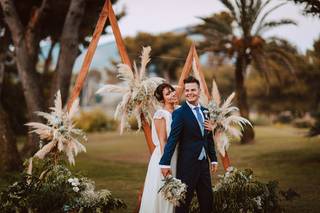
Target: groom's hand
x,y
165,171
214,168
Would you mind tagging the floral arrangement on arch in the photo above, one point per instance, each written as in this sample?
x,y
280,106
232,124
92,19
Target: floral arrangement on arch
x,y
137,96
224,116
59,131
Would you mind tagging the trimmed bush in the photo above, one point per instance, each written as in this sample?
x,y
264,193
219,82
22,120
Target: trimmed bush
x,y
95,121
239,192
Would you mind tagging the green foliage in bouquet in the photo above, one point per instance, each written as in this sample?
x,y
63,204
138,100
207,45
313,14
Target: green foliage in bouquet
x,y
238,191
53,188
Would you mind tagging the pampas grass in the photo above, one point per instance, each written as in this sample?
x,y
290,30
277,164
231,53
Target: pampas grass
x,y
60,131
137,96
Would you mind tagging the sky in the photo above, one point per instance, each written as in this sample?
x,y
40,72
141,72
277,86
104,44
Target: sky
x,y
156,16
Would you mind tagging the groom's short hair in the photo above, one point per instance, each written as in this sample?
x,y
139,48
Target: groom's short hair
x,y
191,79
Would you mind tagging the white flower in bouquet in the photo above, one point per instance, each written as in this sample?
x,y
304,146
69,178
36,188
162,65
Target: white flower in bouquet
x,y
173,190
258,201
138,95
74,181
76,189
60,131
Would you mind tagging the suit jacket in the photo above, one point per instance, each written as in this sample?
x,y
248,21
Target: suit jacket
x,y
185,130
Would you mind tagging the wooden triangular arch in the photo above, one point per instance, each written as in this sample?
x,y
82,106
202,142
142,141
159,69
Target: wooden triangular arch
x,y
107,12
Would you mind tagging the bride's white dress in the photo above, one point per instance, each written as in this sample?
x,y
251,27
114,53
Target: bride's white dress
x,y
152,201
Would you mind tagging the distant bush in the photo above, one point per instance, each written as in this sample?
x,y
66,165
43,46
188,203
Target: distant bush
x,y
95,121
303,123
285,117
261,120
133,123
315,129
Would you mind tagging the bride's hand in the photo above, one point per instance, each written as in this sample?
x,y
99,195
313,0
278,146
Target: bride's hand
x,y
165,171
208,125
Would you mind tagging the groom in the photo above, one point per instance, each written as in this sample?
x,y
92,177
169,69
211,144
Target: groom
x,y
195,148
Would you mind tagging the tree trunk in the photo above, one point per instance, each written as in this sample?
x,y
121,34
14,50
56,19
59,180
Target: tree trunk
x,y
241,65
69,43
26,44
9,157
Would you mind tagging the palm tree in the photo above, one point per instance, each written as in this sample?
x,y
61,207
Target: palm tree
x,y
237,34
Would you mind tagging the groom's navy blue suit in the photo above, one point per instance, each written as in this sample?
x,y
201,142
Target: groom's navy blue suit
x,y
186,132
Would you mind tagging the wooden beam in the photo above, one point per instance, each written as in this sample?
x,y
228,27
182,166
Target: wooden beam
x,y
202,78
125,59
89,54
117,35
185,71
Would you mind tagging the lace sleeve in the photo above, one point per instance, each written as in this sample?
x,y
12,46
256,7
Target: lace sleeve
x,y
159,114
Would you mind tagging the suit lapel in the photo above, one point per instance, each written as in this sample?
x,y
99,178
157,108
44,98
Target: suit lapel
x,y
194,119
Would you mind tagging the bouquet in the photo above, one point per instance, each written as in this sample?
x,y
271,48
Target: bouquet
x,y
223,116
173,190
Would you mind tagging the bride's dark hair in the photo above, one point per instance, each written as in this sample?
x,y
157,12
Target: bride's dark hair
x,y
158,93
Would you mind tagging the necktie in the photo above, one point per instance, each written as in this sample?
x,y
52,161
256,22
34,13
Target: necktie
x,y
201,124
200,119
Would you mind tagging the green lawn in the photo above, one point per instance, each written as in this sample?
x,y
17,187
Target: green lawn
x,y
281,153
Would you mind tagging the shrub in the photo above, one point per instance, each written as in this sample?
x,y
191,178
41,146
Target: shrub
x,y
302,123
53,188
284,117
261,120
95,120
238,191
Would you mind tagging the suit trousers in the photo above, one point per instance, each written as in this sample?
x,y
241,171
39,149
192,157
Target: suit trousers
x,y
198,180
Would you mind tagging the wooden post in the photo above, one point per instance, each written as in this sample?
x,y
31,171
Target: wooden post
x,y
117,35
185,71
106,12
125,59
89,54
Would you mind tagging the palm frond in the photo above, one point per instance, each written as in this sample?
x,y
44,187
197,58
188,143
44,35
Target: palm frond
x,y
273,24
265,15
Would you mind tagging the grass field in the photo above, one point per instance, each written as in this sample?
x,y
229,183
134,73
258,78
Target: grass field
x,y
281,153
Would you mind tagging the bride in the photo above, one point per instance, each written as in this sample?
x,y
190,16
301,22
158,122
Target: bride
x,y
152,201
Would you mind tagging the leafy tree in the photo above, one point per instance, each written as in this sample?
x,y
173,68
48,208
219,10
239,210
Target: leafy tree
x,y
238,34
67,23
168,54
310,6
